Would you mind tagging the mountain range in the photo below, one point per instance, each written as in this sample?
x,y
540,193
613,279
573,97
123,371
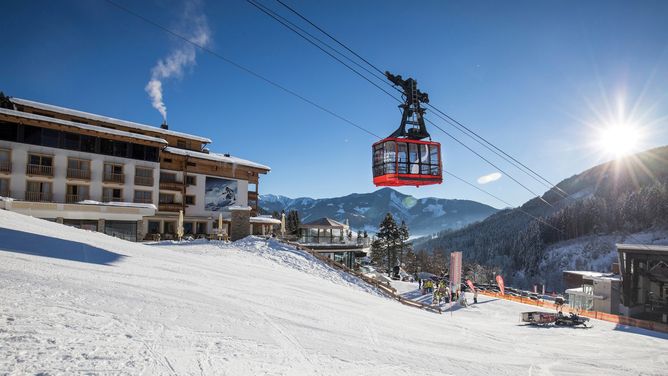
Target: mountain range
x,y
365,211
573,226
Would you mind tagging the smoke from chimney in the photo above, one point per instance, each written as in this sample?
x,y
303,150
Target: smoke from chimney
x,y
196,30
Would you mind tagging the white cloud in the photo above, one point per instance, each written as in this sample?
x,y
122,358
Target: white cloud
x,y
494,176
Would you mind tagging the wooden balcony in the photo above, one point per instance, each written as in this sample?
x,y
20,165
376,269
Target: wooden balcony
x,y
170,207
146,181
252,196
75,173
5,167
172,185
39,170
39,196
110,177
71,199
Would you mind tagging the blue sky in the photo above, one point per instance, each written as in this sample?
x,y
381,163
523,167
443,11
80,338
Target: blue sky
x,y
533,77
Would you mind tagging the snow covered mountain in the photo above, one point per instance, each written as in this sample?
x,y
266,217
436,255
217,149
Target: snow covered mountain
x,y
618,201
365,211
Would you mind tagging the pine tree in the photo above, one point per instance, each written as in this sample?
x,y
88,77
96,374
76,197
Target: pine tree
x,y
390,240
403,239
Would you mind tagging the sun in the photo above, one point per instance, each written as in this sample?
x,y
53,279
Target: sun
x,y
618,140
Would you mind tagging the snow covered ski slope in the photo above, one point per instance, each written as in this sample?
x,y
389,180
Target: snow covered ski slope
x,y
78,302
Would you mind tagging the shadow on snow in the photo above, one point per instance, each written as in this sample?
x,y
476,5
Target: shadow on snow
x,y
46,246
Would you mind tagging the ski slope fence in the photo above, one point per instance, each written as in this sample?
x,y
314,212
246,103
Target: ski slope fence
x,y
384,287
617,319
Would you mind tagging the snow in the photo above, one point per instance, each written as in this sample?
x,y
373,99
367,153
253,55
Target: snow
x,y
94,128
124,123
266,220
216,157
76,301
119,204
435,210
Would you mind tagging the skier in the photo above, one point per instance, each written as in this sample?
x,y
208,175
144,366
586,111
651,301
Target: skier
x,y
475,296
419,283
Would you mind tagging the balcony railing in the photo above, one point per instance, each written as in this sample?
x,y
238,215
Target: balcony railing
x,y
111,177
171,207
71,199
76,173
5,166
39,196
4,193
252,195
144,180
42,170
171,185
143,200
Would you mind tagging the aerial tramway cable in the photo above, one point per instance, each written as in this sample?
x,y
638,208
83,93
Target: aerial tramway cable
x,y
444,116
295,94
287,23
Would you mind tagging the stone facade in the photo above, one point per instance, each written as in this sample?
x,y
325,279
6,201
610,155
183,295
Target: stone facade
x,y
240,226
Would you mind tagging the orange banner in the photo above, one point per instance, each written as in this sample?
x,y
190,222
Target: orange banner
x,y
499,281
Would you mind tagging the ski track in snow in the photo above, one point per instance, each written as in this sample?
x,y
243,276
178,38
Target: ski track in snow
x,y
258,307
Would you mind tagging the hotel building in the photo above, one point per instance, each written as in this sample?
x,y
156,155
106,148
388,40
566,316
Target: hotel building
x,y
122,178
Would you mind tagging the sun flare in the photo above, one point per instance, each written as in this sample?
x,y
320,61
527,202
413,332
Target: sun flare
x,y
618,140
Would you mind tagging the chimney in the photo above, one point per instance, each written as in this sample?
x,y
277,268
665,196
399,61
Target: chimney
x,y
164,125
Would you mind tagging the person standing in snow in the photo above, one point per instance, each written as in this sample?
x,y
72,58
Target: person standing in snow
x,y
475,296
419,283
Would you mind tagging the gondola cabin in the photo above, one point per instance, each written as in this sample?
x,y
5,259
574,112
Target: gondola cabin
x,y
402,161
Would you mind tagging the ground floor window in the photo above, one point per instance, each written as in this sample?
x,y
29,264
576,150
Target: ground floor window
x,y
121,229
170,227
153,227
82,224
201,227
187,227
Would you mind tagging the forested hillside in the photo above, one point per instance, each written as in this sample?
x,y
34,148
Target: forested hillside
x,y
614,199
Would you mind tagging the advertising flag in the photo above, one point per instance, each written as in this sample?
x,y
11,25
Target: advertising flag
x,y
455,269
499,281
470,285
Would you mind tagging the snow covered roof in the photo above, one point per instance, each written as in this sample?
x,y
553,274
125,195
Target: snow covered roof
x,y
216,157
119,204
322,223
265,220
73,124
586,273
643,248
123,123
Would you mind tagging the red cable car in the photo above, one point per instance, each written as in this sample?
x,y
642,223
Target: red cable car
x,y
405,158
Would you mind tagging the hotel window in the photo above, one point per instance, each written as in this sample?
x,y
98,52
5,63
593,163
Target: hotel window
x,y
5,160
181,144
167,177
112,194
4,187
8,131
76,193
190,200
191,180
166,198
143,176
32,135
153,227
50,137
88,143
71,141
38,191
113,173
143,197
40,165
78,168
